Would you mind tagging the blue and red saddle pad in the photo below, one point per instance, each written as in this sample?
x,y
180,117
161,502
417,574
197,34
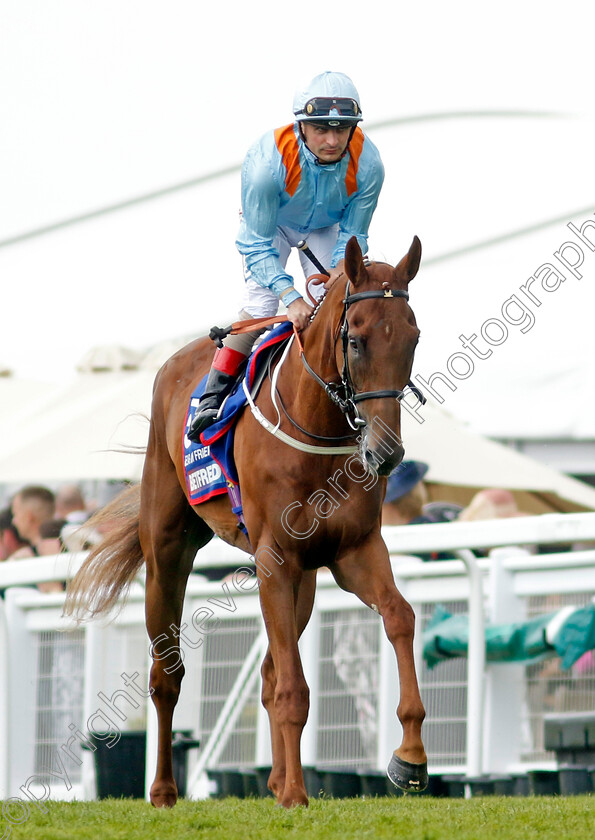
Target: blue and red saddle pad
x,y
209,466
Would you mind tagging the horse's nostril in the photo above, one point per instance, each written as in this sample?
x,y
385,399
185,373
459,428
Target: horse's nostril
x,y
371,460
384,462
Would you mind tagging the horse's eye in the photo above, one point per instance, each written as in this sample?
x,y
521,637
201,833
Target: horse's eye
x,y
353,343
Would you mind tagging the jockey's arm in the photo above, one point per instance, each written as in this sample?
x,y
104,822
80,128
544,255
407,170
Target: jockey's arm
x,y
260,208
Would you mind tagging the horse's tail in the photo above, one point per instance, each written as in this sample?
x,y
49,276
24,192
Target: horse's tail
x,y
112,565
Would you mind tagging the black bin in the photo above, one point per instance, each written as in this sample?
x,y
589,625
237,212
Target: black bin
x,y
120,769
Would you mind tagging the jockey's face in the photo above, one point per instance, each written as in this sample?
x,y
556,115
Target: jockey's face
x,y
328,144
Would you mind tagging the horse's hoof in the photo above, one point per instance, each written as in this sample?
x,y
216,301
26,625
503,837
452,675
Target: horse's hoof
x,y
292,796
164,801
293,802
407,776
164,798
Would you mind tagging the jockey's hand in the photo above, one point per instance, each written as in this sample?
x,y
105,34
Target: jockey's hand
x,y
334,274
299,313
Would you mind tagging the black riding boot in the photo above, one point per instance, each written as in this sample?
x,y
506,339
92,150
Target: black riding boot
x,y
218,386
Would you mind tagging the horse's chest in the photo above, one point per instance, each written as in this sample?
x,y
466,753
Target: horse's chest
x,y
327,540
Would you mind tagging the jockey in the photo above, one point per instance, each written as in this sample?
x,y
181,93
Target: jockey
x,y
317,178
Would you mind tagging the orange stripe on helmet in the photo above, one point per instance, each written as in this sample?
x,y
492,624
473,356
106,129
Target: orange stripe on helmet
x,y
289,150
355,149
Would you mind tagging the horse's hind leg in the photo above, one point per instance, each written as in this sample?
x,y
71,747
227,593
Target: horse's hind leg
x,y
170,534
368,574
303,611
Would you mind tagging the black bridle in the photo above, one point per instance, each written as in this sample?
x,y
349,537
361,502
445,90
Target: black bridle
x,y
343,393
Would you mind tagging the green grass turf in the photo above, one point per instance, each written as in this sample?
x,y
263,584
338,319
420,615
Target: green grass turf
x,y
562,818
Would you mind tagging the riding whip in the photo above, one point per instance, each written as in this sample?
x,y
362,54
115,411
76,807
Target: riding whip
x,y
303,246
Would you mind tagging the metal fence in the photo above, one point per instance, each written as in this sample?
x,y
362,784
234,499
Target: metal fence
x,y
60,683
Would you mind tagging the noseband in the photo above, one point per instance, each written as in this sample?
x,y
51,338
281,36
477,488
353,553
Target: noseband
x,y
343,393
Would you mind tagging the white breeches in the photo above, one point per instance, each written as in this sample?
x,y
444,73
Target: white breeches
x,y
260,302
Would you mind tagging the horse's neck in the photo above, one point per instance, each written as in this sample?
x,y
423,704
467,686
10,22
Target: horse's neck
x,y
304,397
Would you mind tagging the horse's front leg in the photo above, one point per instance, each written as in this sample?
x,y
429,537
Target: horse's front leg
x,y
276,781
279,593
368,574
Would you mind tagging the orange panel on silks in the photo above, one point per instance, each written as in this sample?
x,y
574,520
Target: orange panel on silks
x,y
288,146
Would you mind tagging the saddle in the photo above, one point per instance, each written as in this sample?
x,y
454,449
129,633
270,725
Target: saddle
x,y
209,466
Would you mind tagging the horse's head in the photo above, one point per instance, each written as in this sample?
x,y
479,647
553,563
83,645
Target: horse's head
x,y
378,340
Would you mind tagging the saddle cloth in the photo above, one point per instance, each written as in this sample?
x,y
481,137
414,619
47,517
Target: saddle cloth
x,y
209,466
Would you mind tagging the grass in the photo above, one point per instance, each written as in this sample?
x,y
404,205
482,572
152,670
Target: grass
x,y
488,818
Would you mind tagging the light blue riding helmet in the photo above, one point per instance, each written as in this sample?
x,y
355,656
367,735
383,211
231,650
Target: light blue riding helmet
x,y
330,99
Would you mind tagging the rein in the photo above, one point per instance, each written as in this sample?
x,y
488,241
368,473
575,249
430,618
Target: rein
x,y
348,402
342,394
217,334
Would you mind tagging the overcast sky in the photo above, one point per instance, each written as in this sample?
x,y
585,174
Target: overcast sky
x,y
101,103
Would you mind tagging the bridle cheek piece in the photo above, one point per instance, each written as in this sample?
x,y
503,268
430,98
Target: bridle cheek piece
x,y
343,393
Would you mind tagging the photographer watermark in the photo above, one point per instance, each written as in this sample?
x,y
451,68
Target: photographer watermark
x,y
36,790
516,311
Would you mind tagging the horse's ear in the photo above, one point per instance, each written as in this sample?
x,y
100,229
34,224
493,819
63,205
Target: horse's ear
x,y
354,263
410,262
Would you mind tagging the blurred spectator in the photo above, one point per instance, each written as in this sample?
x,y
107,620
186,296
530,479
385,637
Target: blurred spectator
x,y
9,537
586,664
33,515
70,505
406,495
31,508
442,511
406,503
492,503
102,521
50,542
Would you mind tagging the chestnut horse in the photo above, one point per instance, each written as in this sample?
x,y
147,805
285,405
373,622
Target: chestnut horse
x,y
307,504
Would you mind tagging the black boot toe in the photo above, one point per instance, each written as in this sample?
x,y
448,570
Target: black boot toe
x,y
217,387
202,420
